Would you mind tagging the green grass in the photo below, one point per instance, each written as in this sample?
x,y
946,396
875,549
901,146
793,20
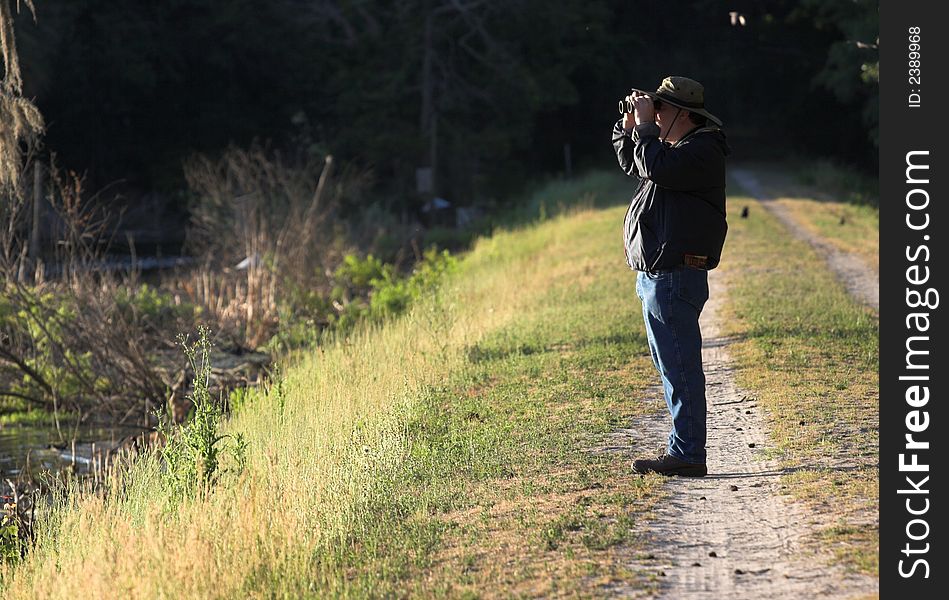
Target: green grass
x,y
849,227
410,457
811,356
834,202
446,453
845,183
539,515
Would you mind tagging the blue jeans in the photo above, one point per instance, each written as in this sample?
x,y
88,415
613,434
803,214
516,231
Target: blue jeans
x,y
672,302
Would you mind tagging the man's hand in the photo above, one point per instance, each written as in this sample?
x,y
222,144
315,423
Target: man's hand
x,y
643,111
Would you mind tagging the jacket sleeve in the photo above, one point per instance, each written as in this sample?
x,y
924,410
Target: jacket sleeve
x,y
623,144
696,164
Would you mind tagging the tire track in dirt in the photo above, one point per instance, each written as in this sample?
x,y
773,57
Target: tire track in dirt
x,y
731,535
859,279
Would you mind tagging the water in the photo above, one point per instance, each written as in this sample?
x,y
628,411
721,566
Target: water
x,y
36,448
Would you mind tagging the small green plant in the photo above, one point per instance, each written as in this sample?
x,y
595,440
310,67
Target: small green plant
x,y
392,295
9,534
302,316
355,276
193,451
155,308
363,290
370,289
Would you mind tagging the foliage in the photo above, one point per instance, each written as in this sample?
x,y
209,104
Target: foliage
x,y
356,277
22,121
509,83
65,341
9,536
194,451
156,306
368,289
852,70
84,345
45,321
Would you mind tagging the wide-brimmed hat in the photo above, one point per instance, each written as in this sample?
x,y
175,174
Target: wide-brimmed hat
x,y
685,93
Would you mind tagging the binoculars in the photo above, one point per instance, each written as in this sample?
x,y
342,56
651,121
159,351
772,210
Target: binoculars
x,y
626,106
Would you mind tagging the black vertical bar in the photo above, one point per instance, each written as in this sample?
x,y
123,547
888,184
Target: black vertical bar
x,y
914,168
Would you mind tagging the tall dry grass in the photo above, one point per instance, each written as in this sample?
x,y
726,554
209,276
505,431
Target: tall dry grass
x,y
322,447
262,226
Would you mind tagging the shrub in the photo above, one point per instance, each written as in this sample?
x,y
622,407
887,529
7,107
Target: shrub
x,y
193,451
368,289
156,309
71,336
9,536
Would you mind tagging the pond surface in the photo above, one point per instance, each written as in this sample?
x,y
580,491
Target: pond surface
x,y
30,443
33,448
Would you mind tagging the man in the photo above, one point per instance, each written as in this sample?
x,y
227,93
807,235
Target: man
x,y
673,234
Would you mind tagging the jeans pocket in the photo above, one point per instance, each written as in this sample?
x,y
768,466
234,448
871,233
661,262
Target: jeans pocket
x,y
692,287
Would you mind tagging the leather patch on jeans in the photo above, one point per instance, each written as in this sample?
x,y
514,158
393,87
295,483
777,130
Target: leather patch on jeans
x,y
695,261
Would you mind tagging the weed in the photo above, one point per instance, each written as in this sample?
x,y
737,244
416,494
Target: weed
x,y
369,289
9,534
193,451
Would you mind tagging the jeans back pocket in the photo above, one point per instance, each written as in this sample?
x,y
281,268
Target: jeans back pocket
x,y
692,286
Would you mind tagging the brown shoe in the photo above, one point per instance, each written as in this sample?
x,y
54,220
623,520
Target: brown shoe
x,y
666,464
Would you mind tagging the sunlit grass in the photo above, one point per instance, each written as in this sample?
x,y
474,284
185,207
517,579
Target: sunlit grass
x,y
442,454
810,354
337,498
849,227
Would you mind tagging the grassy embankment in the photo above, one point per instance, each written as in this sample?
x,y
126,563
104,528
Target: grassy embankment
x,y
437,454
443,453
811,356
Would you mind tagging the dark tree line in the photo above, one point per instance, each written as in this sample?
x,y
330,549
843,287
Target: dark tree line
x,y
487,90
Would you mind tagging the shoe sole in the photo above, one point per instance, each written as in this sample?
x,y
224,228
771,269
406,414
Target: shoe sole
x,y
681,472
673,474
691,473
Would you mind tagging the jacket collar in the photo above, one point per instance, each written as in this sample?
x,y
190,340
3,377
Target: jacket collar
x,y
695,131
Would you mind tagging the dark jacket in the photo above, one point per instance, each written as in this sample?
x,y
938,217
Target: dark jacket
x,y
677,215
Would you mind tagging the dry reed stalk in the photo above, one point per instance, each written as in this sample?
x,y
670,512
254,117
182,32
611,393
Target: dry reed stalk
x,y
277,219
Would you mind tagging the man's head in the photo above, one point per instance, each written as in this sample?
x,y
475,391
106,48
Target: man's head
x,y
675,122
680,106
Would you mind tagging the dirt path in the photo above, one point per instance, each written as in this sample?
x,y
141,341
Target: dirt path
x,y
859,279
733,535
